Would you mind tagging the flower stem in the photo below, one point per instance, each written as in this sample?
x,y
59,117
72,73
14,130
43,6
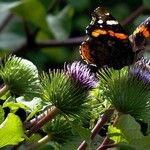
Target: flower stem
x,y
108,113
106,139
3,90
40,142
50,115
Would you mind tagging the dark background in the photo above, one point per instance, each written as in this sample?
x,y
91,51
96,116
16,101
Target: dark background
x,y
67,19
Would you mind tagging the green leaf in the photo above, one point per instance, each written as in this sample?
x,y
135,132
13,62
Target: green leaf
x,y
6,95
60,25
115,134
35,105
5,6
1,115
13,105
80,130
129,127
37,16
72,144
141,144
11,131
146,3
10,40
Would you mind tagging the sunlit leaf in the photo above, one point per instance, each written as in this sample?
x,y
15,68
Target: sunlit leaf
x,y
1,114
11,131
34,105
115,134
14,105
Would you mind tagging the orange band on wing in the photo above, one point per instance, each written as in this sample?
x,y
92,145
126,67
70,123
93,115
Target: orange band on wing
x,y
121,36
85,53
111,33
142,29
117,35
97,32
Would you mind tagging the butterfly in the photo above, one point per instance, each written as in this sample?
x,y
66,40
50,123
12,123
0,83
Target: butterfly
x,y
108,43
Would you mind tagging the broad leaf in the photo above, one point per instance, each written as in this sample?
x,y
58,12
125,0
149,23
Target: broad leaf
x,y
1,114
115,134
60,25
34,106
80,130
11,131
37,16
129,128
10,41
13,105
141,144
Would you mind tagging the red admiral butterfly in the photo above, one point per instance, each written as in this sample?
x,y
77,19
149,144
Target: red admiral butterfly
x,y
108,44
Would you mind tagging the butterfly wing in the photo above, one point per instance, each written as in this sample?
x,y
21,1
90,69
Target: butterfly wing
x,y
108,43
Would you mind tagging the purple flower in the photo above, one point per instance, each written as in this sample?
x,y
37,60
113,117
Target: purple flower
x,y
81,74
141,70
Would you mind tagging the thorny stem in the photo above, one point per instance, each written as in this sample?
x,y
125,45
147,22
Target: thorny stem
x,y
33,121
106,139
106,116
3,90
50,115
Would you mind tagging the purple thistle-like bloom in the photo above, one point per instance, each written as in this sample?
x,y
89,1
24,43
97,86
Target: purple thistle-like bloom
x,y
141,70
81,74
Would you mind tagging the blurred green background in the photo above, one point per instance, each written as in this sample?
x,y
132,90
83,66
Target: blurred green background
x,y
55,20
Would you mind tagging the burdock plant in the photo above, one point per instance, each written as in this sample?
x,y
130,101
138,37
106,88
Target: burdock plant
x,y
66,91
128,90
20,77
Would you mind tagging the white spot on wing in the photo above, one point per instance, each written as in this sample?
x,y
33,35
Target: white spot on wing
x,y
107,14
100,21
111,22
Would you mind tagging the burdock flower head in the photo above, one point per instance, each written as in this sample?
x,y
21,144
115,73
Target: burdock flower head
x,y
81,74
141,70
68,89
128,90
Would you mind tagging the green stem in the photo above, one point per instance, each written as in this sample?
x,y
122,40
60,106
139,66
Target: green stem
x,y
3,90
50,115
